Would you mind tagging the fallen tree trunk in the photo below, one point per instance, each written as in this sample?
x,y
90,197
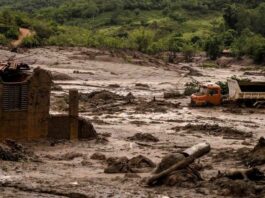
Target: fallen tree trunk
x,y
180,165
191,155
198,150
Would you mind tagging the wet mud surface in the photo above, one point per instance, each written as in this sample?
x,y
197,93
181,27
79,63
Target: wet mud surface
x,y
138,125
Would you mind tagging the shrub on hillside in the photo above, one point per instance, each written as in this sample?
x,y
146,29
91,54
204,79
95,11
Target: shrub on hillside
x,y
213,47
30,42
141,39
3,40
12,33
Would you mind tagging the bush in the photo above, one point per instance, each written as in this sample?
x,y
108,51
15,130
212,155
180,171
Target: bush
x,y
177,17
3,40
259,54
250,44
44,30
12,33
30,42
189,52
224,87
191,88
213,47
141,39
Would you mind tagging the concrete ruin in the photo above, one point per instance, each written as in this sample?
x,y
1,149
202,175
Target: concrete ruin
x,y
25,104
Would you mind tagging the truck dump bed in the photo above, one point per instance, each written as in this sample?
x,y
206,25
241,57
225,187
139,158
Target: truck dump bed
x,y
246,90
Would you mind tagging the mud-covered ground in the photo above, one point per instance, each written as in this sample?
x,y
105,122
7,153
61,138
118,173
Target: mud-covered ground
x,y
129,99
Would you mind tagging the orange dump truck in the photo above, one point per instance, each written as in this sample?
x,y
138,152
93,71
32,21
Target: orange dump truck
x,y
247,93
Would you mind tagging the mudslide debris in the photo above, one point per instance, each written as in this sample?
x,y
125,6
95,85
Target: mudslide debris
x,y
137,164
143,137
217,130
12,151
256,156
173,172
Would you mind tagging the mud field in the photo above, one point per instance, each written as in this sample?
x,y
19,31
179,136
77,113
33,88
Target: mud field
x,y
127,107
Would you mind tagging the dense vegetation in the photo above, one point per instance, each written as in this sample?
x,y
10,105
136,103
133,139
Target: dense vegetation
x,y
149,26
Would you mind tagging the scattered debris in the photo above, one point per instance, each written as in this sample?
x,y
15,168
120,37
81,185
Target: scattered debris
x,y
103,95
66,157
244,182
102,139
106,134
191,71
83,72
254,74
252,174
61,76
98,156
168,161
138,122
114,86
191,88
137,164
103,101
155,106
56,88
172,94
256,156
141,162
172,172
12,151
143,137
237,188
216,130
117,165
233,110
131,175
140,85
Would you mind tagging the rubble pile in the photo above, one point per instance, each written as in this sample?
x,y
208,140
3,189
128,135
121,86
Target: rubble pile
x,y
98,156
241,182
238,188
157,106
185,177
143,137
179,169
217,130
104,101
256,156
137,164
173,94
61,76
191,71
12,151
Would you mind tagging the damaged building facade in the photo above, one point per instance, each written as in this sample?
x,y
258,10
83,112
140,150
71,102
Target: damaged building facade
x,y
25,104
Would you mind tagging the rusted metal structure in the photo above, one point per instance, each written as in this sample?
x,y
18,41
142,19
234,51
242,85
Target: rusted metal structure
x,y
25,104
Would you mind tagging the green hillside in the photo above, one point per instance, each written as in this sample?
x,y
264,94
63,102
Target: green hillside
x,y
150,26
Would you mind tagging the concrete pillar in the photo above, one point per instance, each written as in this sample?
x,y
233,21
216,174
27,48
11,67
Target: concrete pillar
x,y
73,113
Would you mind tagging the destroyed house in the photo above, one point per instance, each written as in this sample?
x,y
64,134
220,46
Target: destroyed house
x,y
24,101
25,105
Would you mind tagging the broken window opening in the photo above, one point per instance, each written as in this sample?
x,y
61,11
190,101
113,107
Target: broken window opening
x,y
15,97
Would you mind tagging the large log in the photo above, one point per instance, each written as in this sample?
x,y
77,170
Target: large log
x,y
180,165
191,154
198,150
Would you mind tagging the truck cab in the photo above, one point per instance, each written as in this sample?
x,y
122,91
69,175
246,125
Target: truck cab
x,y
209,94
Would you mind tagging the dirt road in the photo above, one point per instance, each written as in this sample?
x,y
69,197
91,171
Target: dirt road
x,y
57,176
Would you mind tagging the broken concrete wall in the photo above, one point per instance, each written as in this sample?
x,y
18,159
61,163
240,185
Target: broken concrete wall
x,y
59,128
31,121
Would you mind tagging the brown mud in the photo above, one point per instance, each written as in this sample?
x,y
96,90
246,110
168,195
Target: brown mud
x,y
123,99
